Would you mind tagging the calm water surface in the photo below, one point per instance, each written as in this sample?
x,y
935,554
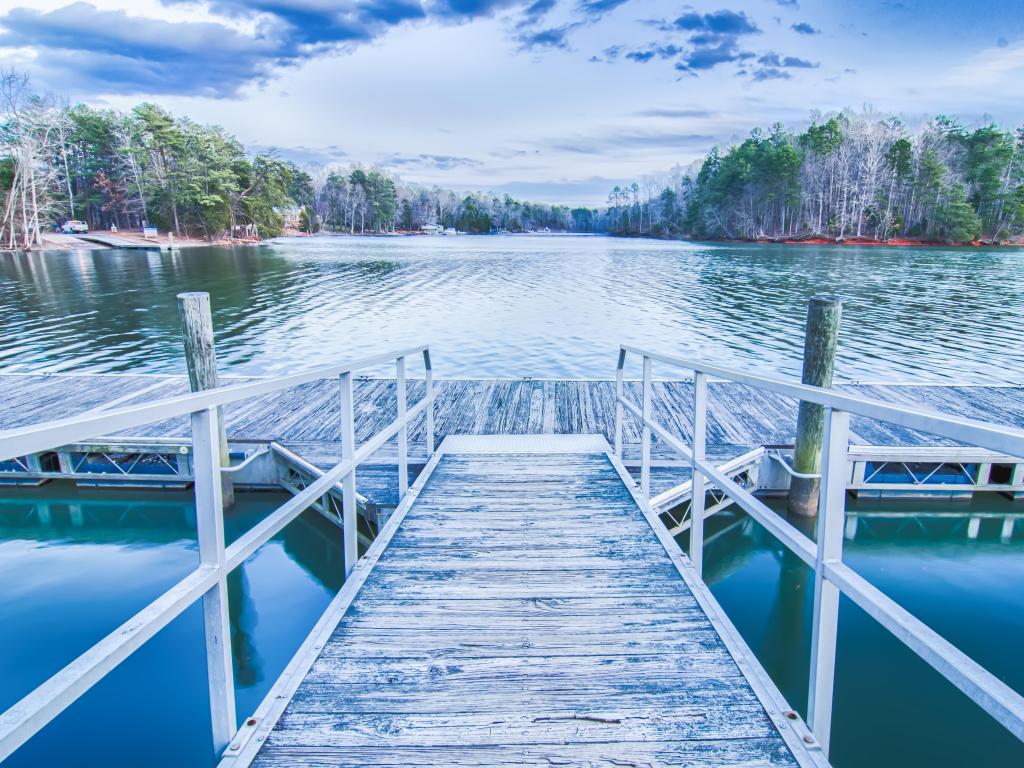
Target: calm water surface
x,y
890,707
544,306
77,563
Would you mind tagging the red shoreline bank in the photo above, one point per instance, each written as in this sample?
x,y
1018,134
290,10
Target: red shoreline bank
x,y
898,242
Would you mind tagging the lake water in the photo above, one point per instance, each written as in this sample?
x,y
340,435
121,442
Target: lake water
x,y
543,306
77,563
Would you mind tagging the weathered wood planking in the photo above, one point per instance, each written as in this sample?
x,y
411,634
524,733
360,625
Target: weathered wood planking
x,y
524,614
738,415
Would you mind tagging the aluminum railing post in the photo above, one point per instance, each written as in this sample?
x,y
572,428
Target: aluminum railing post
x,y
348,483
645,439
210,535
429,392
825,628
618,403
403,432
700,416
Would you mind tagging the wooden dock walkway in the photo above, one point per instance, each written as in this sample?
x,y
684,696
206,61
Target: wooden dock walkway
x,y
520,610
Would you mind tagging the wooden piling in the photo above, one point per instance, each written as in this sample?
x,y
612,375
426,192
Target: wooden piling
x,y
820,342
201,357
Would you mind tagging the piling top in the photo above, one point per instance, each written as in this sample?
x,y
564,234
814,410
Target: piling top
x,y
193,295
826,298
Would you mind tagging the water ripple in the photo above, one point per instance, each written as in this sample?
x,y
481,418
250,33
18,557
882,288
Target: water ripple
x,y
520,306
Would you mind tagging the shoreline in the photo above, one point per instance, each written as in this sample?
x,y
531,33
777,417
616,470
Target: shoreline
x,y
54,241
844,242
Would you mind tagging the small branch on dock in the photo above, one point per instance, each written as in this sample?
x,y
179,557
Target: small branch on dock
x,y
589,718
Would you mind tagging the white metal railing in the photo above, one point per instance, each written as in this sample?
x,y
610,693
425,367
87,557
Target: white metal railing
x,y
208,582
831,576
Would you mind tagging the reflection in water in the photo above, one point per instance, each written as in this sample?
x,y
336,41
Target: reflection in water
x,y
958,566
546,306
76,563
242,609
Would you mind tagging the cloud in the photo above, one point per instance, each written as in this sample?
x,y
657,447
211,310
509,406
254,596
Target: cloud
x,y
658,51
803,28
89,50
302,155
116,53
600,7
789,3
535,12
553,37
438,162
769,73
670,112
714,39
772,59
628,141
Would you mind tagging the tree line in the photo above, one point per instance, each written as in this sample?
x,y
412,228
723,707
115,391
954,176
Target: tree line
x,y
104,167
847,176
359,200
107,168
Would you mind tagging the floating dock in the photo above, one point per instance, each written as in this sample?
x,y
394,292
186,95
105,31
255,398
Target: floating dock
x,y
749,427
112,241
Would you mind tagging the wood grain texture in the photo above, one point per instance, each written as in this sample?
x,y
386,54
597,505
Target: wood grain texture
x,y
493,632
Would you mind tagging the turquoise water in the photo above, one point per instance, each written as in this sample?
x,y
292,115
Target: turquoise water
x,y
890,707
77,563
521,305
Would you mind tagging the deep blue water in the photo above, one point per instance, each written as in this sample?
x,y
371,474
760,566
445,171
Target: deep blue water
x,y
891,708
77,563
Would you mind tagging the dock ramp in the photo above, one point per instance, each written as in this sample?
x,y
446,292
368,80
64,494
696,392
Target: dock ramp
x,y
522,607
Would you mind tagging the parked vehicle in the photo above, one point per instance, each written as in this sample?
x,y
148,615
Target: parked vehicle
x,y
74,227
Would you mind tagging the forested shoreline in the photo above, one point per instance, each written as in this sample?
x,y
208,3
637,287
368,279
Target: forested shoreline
x,y
123,169
847,177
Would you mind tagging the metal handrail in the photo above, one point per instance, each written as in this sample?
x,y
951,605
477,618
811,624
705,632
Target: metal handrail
x,y
832,576
208,581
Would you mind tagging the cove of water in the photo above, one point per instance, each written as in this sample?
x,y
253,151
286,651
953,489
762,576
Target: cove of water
x,y
544,306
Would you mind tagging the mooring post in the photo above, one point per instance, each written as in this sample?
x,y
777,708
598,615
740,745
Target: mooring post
x,y
820,341
201,357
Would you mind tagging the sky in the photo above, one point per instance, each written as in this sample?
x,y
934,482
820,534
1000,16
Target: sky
x,y
549,100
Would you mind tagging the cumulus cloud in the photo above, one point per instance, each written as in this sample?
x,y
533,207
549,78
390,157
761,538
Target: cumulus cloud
x,y
115,52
